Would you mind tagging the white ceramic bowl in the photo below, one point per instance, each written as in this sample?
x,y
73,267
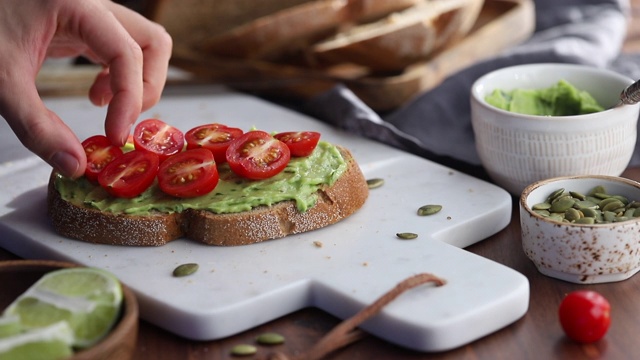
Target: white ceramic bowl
x,y
578,253
517,150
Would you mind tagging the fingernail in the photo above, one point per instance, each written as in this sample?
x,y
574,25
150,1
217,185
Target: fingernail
x,y
65,163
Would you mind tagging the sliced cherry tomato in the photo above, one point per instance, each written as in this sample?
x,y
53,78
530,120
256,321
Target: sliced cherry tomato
x,y
585,316
188,174
215,137
158,137
301,143
257,155
129,174
100,152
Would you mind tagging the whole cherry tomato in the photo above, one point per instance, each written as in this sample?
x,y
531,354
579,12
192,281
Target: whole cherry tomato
x,y
100,152
257,155
585,316
188,174
301,143
158,137
215,137
129,174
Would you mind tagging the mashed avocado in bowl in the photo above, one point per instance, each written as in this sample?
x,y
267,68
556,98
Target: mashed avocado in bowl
x,y
561,99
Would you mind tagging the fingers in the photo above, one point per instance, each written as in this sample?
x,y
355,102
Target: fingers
x,y
155,44
39,129
115,48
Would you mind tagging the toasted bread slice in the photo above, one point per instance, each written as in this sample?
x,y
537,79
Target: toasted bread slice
x,y
336,202
288,30
402,38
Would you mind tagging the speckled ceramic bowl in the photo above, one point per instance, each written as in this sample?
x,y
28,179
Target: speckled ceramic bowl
x,y
517,150
578,253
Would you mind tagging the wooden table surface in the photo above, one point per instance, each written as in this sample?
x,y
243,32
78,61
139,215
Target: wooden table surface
x,y
537,335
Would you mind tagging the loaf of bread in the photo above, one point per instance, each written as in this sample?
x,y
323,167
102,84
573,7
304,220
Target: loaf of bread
x,y
293,29
379,35
402,38
334,203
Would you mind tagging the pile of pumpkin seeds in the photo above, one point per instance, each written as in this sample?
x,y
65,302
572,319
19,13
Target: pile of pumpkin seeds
x,y
595,207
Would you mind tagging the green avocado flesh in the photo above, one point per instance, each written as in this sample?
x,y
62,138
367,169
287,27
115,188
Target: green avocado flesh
x,y
562,99
299,182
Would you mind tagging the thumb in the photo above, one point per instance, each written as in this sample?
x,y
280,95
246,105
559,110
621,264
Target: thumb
x,y
39,129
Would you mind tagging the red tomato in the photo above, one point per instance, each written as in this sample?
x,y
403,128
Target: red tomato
x,y
585,316
300,143
129,174
190,173
100,152
153,135
215,137
257,155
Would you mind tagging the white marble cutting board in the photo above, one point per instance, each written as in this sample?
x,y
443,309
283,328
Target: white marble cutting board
x,y
339,269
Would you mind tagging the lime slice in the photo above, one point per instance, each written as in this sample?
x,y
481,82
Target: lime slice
x,y
47,343
9,325
89,299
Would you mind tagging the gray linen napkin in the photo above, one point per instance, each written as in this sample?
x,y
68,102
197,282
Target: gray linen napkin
x,y
437,124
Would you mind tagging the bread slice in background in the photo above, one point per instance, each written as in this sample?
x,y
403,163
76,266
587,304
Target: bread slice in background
x,y
402,38
335,203
288,30
190,22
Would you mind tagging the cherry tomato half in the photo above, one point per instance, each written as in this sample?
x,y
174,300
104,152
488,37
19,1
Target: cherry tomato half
x,y
190,173
129,174
300,143
215,137
585,316
155,136
100,152
257,155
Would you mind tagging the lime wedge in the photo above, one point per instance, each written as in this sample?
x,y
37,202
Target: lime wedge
x,y
9,325
88,299
47,343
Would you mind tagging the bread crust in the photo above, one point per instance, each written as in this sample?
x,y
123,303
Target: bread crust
x,y
289,30
403,38
335,203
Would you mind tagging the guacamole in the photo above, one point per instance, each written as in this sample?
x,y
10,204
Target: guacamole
x,y
299,182
562,99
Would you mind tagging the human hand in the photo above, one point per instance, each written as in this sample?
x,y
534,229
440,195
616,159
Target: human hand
x,y
134,52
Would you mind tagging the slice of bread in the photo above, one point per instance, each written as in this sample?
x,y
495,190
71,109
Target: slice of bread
x,y
402,38
286,31
336,202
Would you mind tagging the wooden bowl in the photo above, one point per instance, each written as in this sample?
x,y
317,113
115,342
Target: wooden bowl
x,y
16,276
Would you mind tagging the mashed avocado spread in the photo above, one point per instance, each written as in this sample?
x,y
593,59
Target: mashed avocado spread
x,y
562,99
299,181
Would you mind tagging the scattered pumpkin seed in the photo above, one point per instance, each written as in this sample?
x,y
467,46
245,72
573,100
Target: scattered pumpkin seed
x,y
270,338
243,350
429,210
596,207
375,183
185,269
407,235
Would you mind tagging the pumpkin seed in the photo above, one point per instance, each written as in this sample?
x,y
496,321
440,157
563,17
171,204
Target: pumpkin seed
x,y
429,210
270,338
562,205
406,235
375,183
185,269
555,195
541,206
577,195
597,207
243,350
